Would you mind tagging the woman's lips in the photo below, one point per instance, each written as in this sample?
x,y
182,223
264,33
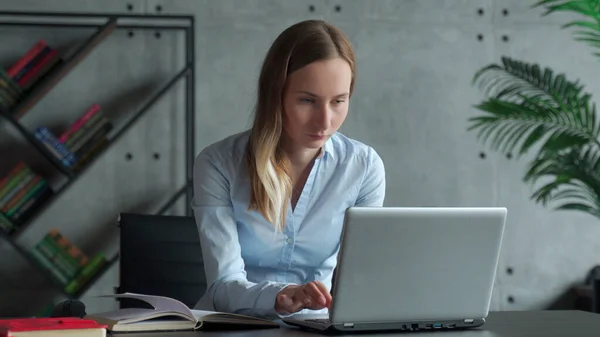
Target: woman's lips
x,y
316,137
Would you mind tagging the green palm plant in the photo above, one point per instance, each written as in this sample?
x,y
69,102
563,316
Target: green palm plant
x,y
529,108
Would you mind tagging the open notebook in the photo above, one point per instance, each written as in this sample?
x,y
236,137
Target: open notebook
x,y
169,315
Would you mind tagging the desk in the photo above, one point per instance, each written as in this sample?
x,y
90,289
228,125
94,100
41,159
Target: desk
x,y
499,324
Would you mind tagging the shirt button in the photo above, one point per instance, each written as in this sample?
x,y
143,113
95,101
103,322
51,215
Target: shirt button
x,y
289,240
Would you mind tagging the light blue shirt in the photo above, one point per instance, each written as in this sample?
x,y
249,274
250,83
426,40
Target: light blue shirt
x,y
247,262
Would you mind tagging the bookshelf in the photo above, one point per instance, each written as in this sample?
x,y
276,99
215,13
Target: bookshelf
x,y
105,24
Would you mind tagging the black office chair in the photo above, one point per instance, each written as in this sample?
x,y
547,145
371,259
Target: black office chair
x,y
160,255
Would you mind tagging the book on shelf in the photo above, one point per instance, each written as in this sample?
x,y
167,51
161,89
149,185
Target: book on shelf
x,y
22,191
169,314
80,141
10,92
22,76
66,262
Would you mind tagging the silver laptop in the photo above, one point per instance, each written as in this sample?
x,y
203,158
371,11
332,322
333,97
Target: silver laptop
x,y
424,268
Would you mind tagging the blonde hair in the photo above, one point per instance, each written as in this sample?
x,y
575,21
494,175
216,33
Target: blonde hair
x,y
268,167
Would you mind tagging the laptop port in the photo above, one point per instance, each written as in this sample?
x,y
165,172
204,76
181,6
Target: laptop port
x,y
404,327
451,325
414,326
437,326
428,326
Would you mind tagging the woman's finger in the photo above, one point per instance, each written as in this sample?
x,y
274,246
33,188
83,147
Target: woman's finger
x,y
319,291
314,293
324,291
309,296
299,300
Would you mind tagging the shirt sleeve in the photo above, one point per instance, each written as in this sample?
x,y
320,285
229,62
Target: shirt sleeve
x,y
228,289
372,190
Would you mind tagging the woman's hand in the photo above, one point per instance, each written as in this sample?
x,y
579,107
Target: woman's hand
x,y
313,295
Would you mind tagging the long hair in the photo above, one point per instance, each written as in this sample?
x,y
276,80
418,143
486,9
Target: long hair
x,y
297,46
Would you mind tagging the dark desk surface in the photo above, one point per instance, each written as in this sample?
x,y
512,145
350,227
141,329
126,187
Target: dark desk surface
x,y
499,324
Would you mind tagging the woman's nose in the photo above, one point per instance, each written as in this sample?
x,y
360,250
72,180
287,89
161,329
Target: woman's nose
x,y
322,118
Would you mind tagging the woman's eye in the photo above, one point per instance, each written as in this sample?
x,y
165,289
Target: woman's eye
x,y
306,100
338,101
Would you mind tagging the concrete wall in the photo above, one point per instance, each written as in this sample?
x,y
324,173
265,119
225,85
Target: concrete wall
x,y
413,97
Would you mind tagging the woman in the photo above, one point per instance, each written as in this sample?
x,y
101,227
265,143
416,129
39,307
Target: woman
x,y
270,202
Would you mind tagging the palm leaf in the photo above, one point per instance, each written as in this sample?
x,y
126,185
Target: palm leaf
x,y
527,105
576,179
589,9
585,7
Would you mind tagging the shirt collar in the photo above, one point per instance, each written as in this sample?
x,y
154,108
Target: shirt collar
x,y
327,149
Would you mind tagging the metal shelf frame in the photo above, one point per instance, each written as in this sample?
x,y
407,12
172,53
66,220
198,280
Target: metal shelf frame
x,y
106,23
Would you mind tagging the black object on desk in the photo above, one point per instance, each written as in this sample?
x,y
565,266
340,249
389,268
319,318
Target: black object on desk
x,y
593,279
160,255
69,308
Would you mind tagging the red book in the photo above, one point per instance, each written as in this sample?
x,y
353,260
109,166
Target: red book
x,y
28,57
51,327
37,68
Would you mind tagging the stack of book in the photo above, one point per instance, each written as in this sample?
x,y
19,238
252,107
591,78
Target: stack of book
x,y
10,92
22,191
20,78
66,262
34,65
82,139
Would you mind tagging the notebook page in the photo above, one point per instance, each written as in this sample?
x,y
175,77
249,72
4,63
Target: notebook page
x,y
160,303
201,313
126,313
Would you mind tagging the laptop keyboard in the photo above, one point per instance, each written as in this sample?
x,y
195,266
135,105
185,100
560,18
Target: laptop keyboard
x,y
319,320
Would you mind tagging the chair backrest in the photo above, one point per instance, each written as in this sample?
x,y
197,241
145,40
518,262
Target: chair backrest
x,y
160,255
